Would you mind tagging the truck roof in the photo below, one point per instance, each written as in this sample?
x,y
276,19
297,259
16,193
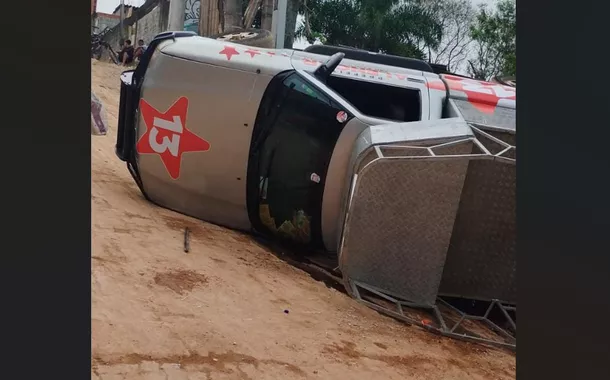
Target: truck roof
x,y
481,97
273,61
368,56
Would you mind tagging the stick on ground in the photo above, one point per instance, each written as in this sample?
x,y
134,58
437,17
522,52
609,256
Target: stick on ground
x,y
187,244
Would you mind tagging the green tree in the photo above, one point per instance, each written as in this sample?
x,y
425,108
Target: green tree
x,y
399,27
494,36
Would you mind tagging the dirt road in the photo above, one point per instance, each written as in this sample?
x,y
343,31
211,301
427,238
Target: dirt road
x,y
229,309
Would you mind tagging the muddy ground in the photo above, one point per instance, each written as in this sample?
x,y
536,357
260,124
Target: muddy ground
x,y
230,309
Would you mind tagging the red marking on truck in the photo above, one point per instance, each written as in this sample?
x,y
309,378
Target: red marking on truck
x,y
310,62
271,53
252,52
167,136
436,84
229,51
484,96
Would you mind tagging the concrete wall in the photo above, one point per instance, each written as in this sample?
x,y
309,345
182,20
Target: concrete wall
x,y
102,22
151,24
148,26
113,37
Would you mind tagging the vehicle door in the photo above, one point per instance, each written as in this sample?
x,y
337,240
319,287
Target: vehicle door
x,y
296,131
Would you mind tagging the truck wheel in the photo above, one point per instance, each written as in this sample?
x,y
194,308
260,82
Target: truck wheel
x,y
249,37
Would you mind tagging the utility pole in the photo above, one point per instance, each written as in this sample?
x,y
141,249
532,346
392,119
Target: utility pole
x,y
278,22
176,15
122,18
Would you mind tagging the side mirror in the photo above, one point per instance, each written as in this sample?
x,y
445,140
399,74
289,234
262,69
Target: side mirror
x,y
327,68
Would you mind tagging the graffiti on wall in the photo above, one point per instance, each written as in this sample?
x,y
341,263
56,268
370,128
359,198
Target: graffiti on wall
x,y
191,15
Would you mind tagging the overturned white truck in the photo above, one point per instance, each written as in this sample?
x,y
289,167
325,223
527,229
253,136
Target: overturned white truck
x,y
408,176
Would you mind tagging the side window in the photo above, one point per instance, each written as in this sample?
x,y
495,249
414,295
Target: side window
x,y
309,107
379,100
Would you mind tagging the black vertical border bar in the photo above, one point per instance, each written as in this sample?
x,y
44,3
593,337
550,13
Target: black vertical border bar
x,y
563,176
45,178
563,189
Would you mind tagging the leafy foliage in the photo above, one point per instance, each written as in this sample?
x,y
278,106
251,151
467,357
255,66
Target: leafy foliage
x,y
494,33
441,31
389,26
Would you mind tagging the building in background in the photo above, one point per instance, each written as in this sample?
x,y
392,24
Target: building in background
x,y
151,20
101,21
129,10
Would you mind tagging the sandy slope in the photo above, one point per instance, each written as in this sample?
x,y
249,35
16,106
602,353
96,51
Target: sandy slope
x,y
218,311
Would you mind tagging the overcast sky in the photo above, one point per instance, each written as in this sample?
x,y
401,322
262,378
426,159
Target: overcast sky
x,y
107,6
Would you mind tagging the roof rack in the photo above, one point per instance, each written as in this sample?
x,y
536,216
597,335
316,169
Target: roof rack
x,y
367,56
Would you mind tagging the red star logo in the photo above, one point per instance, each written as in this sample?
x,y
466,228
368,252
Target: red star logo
x,y
252,52
167,136
229,51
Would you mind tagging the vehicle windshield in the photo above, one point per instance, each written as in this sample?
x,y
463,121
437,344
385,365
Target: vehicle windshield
x,y
294,153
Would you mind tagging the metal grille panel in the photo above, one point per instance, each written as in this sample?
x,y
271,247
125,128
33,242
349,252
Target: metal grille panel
x,y
400,221
481,262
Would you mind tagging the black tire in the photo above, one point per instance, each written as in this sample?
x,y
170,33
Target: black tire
x,y
249,37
